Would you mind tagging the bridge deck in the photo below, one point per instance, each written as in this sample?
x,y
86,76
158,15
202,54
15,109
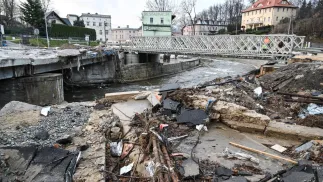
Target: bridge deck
x,y
219,45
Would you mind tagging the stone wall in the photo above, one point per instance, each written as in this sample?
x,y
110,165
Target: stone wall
x,y
137,72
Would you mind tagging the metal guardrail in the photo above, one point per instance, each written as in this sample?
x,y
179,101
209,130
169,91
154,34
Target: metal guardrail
x,y
222,45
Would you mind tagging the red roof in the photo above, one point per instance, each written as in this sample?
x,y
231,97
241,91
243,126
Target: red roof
x,y
262,4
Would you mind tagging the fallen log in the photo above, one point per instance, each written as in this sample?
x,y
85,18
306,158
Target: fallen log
x,y
170,167
156,154
264,153
298,95
304,101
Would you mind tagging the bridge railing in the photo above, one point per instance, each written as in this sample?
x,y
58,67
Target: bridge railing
x,y
257,45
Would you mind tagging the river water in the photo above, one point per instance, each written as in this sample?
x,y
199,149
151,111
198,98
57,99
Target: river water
x,y
211,71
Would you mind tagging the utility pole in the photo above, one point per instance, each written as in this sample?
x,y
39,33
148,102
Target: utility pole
x,y
290,22
46,30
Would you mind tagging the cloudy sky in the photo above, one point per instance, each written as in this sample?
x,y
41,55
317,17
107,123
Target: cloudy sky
x,y
123,12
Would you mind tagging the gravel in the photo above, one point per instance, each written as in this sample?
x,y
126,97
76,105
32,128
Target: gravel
x,y
59,123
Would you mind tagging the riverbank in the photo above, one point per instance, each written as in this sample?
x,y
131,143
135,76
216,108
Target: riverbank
x,y
240,127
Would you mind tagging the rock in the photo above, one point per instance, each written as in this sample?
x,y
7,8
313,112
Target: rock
x,y
275,116
115,130
67,139
78,130
191,168
114,136
299,77
42,135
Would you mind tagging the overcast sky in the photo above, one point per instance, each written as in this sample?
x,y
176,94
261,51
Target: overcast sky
x,y
123,12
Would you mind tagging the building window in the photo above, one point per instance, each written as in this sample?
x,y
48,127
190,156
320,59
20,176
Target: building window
x,y
283,9
88,23
100,24
105,24
107,32
277,9
287,9
265,10
134,32
264,19
269,9
260,11
161,20
116,36
94,24
100,32
268,18
277,18
151,20
120,36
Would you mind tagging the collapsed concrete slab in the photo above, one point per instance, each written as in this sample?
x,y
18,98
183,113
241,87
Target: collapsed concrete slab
x,y
283,130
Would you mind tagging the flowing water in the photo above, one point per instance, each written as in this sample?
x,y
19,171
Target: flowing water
x,y
210,71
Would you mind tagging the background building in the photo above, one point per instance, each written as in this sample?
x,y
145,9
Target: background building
x,y
267,12
205,27
53,18
101,24
124,34
157,23
72,18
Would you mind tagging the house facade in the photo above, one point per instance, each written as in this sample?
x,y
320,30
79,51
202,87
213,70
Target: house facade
x,y
205,27
157,23
101,24
53,18
267,12
124,34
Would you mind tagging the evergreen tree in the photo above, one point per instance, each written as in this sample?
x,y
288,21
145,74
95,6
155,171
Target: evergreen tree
x,y
32,13
308,10
319,8
79,23
302,11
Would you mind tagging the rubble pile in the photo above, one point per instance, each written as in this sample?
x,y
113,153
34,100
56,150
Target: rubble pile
x,y
229,129
59,123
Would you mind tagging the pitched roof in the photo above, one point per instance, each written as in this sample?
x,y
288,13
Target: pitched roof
x,y
55,14
262,4
67,21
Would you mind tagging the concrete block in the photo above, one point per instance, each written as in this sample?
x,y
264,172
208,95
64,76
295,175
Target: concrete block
x,y
245,127
121,95
282,130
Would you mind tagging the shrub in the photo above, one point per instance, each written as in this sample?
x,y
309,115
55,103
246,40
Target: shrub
x,y
63,31
221,31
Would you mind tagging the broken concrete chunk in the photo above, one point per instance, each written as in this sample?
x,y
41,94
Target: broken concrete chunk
x,y
121,95
278,148
142,96
191,168
154,99
169,87
45,111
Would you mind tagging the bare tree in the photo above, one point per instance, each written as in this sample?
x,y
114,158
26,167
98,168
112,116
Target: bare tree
x,y
161,5
188,8
183,22
9,11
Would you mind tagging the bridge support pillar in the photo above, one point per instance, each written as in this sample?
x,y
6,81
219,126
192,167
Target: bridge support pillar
x,y
44,89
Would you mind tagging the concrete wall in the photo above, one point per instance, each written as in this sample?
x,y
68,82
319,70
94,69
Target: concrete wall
x,y
104,71
130,73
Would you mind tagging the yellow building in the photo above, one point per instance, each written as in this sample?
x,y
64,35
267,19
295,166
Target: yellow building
x,y
267,12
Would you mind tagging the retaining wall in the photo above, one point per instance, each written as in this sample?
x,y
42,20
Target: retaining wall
x,y
144,71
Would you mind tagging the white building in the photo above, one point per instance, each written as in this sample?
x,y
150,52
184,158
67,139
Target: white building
x,y
72,18
124,34
101,24
205,27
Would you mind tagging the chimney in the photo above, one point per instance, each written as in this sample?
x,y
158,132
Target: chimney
x,y
127,26
118,26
